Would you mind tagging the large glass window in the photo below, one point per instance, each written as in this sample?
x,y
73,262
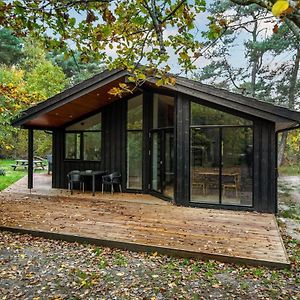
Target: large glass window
x,y
237,160
83,139
162,148
92,145
203,115
221,157
205,162
163,111
72,145
135,143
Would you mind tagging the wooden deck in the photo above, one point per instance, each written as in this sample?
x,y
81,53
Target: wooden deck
x,y
143,223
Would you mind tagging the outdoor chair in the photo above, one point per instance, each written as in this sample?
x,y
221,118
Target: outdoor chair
x,y
75,177
230,182
111,179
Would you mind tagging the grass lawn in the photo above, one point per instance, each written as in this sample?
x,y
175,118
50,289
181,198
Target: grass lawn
x,y
287,170
11,175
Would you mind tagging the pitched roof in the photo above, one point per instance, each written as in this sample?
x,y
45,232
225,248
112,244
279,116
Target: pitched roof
x,y
92,94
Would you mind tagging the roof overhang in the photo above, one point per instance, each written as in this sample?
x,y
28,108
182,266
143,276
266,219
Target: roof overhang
x,y
283,118
91,95
74,103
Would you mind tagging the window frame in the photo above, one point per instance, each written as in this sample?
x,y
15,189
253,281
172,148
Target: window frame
x,y
134,130
81,140
220,167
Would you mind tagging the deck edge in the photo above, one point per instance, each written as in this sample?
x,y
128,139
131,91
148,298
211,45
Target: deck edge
x,y
148,248
281,240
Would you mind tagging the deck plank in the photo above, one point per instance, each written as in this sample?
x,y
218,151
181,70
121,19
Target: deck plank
x,y
143,222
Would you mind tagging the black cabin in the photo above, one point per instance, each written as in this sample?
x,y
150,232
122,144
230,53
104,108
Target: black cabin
x,y
192,144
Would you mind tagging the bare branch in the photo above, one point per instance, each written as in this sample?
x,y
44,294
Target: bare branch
x,y
292,17
156,23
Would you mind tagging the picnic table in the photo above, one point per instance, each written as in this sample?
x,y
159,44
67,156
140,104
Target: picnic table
x,y
23,163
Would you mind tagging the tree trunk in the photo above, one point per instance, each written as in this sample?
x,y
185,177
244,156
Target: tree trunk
x,y
281,147
291,98
254,57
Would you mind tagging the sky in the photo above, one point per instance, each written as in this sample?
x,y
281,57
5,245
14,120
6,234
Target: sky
x,y
237,57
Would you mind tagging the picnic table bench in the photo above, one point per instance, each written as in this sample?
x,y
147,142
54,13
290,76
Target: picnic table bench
x,y
23,163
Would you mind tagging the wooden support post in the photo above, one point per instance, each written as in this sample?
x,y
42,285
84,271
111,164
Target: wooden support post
x,y
30,158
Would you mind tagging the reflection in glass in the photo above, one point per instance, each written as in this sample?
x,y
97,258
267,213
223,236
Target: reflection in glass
x,y
134,159
156,162
86,136
135,113
221,144
237,155
205,162
92,146
91,123
135,142
72,146
163,111
203,115
163,145
168,178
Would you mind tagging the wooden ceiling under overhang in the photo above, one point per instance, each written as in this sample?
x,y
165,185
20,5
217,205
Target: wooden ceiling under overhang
x,y
76,109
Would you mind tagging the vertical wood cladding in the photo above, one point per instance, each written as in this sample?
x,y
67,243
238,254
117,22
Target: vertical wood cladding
x,y
182,149
265,156
114,138
112,152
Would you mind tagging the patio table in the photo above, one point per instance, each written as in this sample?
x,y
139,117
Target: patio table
x,y
93,174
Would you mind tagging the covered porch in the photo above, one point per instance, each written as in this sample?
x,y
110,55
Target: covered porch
x,y
142,222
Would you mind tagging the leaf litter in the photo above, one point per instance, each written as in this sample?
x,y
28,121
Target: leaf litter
x,y
37,268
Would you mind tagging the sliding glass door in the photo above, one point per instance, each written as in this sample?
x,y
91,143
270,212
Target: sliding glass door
x,y
205,162
135,143
163,162
221,159
162,146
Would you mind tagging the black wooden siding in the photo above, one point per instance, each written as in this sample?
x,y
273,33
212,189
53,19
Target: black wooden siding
x,y
114,153
264,166
114,138
182,150
113,143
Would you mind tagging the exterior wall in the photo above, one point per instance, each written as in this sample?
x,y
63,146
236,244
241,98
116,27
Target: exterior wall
x,y
114,154
182,150
265,167
114,138
62,167
264,160
113,143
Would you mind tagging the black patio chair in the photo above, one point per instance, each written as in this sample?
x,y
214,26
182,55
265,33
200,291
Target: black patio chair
x,y
75,177
111,179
